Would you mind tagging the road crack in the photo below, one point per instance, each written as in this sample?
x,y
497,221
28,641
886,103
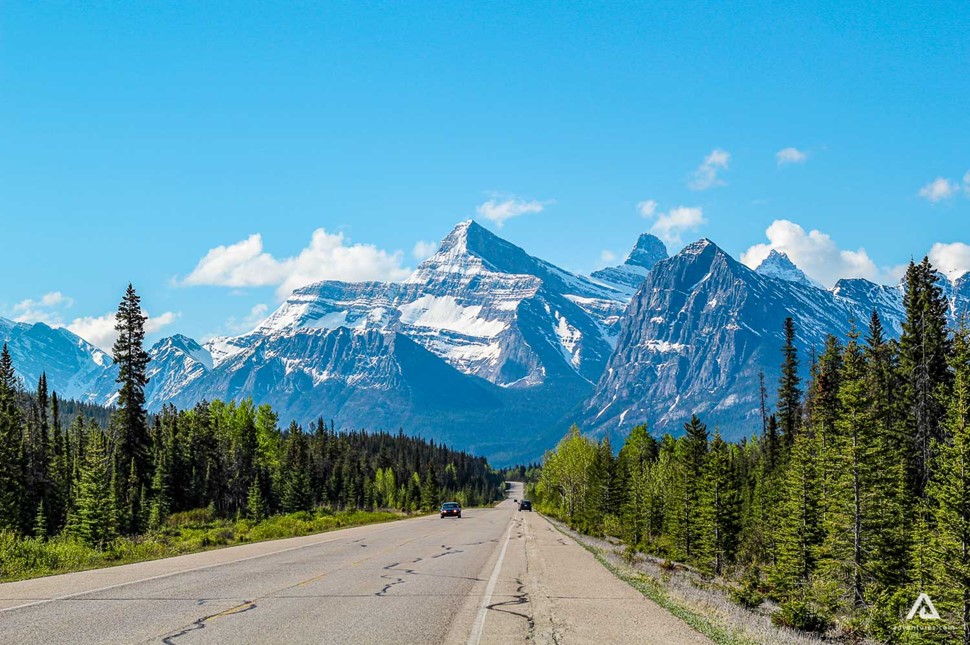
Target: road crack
x,y
241,608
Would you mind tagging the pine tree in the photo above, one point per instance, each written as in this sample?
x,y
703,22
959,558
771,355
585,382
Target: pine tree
x,y
255,506
430,493
850,503
950,491
789,389
97,521
799,516
691,459
924,348
637,457
887,527
296,495
133,452
11,472
720,502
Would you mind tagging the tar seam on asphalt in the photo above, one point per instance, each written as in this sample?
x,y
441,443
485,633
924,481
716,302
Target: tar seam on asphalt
x,y
200,623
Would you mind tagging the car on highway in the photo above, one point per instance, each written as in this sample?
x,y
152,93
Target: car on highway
x,y
451,509
525,505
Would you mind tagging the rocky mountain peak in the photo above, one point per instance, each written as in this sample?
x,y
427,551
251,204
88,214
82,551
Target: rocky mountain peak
x,y
779,266
647,252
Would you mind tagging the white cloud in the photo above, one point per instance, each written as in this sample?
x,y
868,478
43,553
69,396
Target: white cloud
x,y
966,183
607,257
790,155
249,322
939,189
953,260
815,253
670,225
100,330
498,210
647,208
47,309
706,174
328,257
423,250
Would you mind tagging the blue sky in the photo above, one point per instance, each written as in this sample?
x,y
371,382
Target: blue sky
x,y
135,139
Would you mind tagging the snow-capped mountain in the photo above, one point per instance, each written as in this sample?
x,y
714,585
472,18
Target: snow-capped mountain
x,y
75,368
481,304
703,326
779,265
479,330
491,349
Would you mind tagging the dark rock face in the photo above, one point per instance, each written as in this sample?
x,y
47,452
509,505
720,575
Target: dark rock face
x,y
703,326
630,275
75,368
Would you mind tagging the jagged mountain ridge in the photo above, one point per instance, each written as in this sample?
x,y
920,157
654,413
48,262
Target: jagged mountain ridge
x,y
492,349
703,326
74,367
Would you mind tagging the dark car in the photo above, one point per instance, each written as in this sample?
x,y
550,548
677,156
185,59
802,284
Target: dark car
x,y
451,509
525,505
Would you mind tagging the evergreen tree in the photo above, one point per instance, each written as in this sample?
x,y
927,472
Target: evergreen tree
x,y
133,449
637,459
97,521
800,519
430,493
789,389
924,348
11,472
255,505
720,501
887,527
691,462
296,495
950,491
850,504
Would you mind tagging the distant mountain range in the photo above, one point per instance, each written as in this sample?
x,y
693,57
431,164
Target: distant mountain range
x,y
493,350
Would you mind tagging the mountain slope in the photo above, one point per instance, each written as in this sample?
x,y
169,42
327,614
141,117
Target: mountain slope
x,y
75,368
703,326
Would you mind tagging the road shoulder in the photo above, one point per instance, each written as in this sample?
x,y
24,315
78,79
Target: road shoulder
x,y
552,590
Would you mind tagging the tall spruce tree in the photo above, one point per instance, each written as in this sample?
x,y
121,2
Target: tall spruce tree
x,y
799,516
850,503
949,489
789,389
133,452
11,471
924,348
721,503
686,519
97,516
886,528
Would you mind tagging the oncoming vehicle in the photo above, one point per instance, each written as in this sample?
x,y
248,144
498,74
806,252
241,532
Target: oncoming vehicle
x,y
525,505
451,509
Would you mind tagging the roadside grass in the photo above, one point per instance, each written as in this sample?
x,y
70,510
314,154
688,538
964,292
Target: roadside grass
x,y
704,607
183,533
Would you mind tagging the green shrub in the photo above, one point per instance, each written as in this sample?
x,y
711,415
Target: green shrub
x,y
748,594
802,615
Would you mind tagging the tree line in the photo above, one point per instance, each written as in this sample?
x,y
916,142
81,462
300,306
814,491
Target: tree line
x,y
122,472
850,500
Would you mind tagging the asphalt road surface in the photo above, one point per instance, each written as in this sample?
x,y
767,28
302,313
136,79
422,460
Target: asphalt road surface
x,y
495,576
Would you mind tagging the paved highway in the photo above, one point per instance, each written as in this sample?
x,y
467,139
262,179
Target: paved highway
x,y
495,576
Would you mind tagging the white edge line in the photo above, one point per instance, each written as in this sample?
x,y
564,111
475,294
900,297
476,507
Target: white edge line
x,y
476,635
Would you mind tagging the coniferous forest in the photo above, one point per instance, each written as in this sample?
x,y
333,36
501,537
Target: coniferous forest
x,y
92,475
850,500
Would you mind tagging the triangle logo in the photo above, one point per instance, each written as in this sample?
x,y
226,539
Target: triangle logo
x,y
924,608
